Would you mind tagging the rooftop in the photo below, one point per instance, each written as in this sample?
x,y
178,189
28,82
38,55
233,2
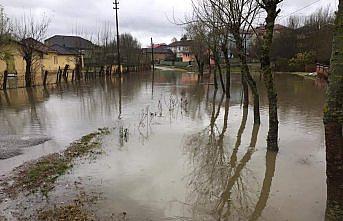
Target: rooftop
x,y
63,51
71,42
185,43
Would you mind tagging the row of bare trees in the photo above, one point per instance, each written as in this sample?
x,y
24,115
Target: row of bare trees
x,y
30,32
215,26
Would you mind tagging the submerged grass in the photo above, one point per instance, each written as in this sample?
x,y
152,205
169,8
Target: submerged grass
x,y
41,174
77,210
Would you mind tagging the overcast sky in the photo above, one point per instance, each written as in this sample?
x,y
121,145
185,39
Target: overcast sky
x,y
142,18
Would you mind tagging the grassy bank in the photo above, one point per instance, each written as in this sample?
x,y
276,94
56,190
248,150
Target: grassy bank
x,y
41,174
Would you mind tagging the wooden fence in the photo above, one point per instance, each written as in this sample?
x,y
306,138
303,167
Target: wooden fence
x,y
323,70
18,81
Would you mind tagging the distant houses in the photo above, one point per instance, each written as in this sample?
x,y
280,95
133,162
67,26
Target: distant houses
x,y
179,51
182,50
161,53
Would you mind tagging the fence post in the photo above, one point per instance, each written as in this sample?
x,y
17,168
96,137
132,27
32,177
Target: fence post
x,y
57,75
73,75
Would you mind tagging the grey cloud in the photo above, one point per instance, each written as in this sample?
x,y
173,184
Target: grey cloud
x,y
143,18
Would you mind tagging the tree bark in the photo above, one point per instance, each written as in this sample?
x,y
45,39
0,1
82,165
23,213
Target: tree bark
x,y
215,78
333,121
334,171
200,66
4,85
272,12
220,72
45,78
227,70
252,85
28,76
246,77
245,90
217,67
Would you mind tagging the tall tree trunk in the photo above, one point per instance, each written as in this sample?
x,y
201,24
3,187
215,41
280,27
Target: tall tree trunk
x,y
200,66
219,71
333,121
28,76
245,90
252,84
209,64
271,8
248,78
215,78
227,70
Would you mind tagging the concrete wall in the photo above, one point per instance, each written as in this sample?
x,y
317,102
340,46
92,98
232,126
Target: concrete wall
x,y
15,63
52,61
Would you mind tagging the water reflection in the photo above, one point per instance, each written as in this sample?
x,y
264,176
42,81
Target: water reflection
x,y
219,182
120,95
267,182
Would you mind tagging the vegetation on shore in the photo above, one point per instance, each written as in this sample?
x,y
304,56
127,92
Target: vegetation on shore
x,y
76,210
41,174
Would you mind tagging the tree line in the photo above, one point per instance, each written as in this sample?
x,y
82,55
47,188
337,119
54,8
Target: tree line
x,y
305,41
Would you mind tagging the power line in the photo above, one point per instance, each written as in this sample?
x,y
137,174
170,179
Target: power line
x,y
307,6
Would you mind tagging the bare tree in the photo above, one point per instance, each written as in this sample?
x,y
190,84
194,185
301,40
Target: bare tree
x,y
197,32
270,7
216,34
318,31
105,53
30,32
294,22
130,49
237,16
5,29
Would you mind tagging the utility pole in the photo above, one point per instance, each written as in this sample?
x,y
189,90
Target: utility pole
x,y
152,55
116,3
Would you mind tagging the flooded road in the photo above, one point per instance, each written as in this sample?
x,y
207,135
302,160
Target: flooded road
x,y
178,150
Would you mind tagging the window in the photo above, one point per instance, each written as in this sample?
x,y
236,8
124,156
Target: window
x,y
55,60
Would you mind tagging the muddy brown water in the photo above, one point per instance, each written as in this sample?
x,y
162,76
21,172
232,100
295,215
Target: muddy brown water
x,y
177,150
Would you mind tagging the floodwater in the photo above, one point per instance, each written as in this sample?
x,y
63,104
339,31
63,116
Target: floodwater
x,y
178,150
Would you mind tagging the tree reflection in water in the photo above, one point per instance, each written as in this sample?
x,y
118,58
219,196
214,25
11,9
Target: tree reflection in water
x,y
219,181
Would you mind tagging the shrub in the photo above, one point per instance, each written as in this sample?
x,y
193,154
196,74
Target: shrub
x,y
300,60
